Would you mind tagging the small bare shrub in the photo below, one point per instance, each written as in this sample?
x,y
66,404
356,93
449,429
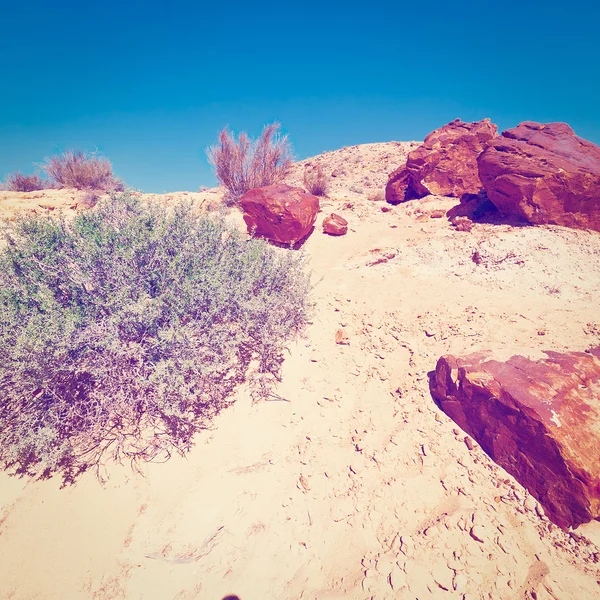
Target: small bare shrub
x,y
17,182
125,330
244,164
88,199
316,181
75,169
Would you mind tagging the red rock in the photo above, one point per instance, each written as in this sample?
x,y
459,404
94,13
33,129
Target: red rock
x,y
280,213
473,206
544,174
538,420
341,338
462,224
335,225
445,164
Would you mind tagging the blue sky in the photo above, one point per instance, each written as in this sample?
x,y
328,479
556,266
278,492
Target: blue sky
x,y
150,84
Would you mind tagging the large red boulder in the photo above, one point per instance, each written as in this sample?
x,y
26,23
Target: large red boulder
x,y
445,164
538,420
280,213
544,174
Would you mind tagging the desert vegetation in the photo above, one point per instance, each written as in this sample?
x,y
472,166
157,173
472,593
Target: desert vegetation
x,y
18,182
125,330
316,181
76,169
71,169
244,164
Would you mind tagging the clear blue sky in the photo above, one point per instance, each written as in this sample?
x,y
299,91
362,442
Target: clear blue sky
x,y
150,84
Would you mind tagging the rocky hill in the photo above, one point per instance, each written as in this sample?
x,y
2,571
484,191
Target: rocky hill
x,y
351,483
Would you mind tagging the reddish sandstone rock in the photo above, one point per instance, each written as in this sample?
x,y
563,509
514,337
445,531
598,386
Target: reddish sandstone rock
x,y
335,225
544,174
445,164
462,224
474,206
280,213
538,420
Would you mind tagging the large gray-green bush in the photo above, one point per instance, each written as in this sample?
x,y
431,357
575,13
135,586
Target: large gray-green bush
x,y
125,330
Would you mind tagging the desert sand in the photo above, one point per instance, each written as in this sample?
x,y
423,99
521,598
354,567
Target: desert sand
x,y
352,483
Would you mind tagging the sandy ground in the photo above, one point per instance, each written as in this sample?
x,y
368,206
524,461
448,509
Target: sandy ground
x,y
354,485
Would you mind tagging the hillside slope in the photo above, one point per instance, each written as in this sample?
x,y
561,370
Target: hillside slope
x,y
352,484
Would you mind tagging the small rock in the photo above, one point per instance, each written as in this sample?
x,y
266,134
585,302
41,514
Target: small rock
x,y
478,533
385,209
341,338
367,563
304,483
530,503
462,224
406,546
430,333
397,579
335,225
385,565
469,443
460,582
505,546
455,565
369,583
437,214
442,576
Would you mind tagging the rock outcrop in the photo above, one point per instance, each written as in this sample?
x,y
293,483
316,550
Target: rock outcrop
x,y
445,164
280,213
543,174
335,225
538,420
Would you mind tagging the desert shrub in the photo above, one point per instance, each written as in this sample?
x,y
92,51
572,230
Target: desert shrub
x,y
315,181
125,330
88,199
75,169
17,182
244,164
